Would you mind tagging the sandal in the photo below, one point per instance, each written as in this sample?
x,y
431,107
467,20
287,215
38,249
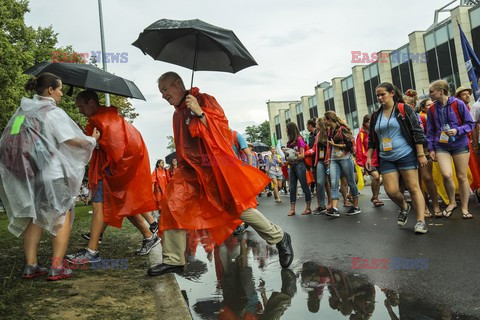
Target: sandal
x,y
438,214
467,215
347,203
377,203
448,213
306,212
291,213
428,214
278,200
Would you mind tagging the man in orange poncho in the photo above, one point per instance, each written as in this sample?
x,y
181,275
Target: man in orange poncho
x,y
208,190
119,176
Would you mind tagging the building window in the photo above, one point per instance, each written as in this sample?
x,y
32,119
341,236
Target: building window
x,y
278,129
300,121
402,68
475,23
312,107
349,103
372,80
441,56
287,117
329,101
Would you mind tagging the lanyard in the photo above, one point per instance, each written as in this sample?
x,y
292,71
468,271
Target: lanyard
x,y
388,123
441,110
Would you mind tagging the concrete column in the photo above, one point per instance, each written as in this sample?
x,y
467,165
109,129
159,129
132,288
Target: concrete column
x,y
384,66
420,72
337,97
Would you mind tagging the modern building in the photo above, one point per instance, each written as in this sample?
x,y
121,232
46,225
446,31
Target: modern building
x,y
429,55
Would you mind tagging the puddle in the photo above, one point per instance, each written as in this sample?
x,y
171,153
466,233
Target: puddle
x,y
241,279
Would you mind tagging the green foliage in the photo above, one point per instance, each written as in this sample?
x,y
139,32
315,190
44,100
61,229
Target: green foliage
x,y
259,133
171,144
22,47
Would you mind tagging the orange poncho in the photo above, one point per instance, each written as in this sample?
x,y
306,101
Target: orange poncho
x,y
127,187
160,178
212,187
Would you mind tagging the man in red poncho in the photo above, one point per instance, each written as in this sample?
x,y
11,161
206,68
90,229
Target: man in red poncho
x,y
119,177
208,190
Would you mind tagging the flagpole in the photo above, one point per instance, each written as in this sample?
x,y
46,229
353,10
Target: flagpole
x,y
102,37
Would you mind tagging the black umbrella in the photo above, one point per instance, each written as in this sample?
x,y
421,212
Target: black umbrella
x,y
260,147
195,45
169,158
89,77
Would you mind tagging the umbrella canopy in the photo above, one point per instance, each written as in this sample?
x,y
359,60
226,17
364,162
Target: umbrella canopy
x,y
260,147
88,77
169,158
195,45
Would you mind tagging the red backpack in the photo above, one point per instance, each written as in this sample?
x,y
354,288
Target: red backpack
x,y
454,106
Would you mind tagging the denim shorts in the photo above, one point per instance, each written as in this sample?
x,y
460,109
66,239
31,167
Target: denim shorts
x,y
98,196
408,162
452,152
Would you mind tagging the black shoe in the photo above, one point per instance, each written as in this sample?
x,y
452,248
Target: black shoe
x,y
269,193
162,268
289,282
239,230
285,251
154,227
477,196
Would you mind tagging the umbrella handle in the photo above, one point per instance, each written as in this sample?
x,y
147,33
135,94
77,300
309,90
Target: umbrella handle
x,y
194,60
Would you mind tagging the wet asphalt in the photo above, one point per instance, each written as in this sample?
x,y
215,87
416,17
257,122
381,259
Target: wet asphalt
x,y
335,275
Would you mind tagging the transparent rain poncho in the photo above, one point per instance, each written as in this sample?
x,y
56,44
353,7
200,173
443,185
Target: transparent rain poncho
x,y
43,155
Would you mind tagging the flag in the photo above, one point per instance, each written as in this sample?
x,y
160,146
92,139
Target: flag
x,y
471,63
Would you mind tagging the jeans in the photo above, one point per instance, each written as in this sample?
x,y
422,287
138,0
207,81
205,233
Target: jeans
x,y
299,172
343,167
321,179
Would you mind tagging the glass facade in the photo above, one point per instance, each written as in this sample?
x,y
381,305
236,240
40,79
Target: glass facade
x,y
300,121
441,56
402,69
329,102
312,107
349,103
371,81
278,129
287,116
475,22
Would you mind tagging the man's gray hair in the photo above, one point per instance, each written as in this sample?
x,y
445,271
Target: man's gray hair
x,y
172,76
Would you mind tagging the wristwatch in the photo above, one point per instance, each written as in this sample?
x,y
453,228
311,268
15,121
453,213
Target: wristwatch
x,y
201,115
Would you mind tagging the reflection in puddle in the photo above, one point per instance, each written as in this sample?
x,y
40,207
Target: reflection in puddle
x,y
241,279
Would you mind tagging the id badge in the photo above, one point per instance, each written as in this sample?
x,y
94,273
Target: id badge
x,y
387,144
443,137
321,155
276,169
339,153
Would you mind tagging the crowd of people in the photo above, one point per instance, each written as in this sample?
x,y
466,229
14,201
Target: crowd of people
x,y
405,144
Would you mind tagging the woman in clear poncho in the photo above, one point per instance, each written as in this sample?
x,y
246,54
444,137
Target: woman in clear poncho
x,y
43,154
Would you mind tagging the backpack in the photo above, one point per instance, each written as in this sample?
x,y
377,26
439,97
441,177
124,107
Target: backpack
x,y
23,151
241,154
454,106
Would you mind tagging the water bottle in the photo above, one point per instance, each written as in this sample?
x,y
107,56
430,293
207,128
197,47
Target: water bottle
x,y
451,139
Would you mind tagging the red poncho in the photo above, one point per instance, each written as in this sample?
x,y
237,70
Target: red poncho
x,y
212,187
160,178
127,188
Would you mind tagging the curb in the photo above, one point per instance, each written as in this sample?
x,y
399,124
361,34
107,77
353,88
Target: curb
x,y
169,301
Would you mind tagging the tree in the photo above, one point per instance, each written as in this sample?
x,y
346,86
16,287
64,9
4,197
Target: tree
x,y
171,144
259,133
20,48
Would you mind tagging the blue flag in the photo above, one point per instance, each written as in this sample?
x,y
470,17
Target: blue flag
x,y
471,63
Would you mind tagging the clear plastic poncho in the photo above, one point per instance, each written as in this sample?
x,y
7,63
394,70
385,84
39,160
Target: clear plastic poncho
x,y
43,155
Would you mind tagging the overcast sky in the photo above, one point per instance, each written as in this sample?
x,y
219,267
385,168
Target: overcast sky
x,y
296,44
